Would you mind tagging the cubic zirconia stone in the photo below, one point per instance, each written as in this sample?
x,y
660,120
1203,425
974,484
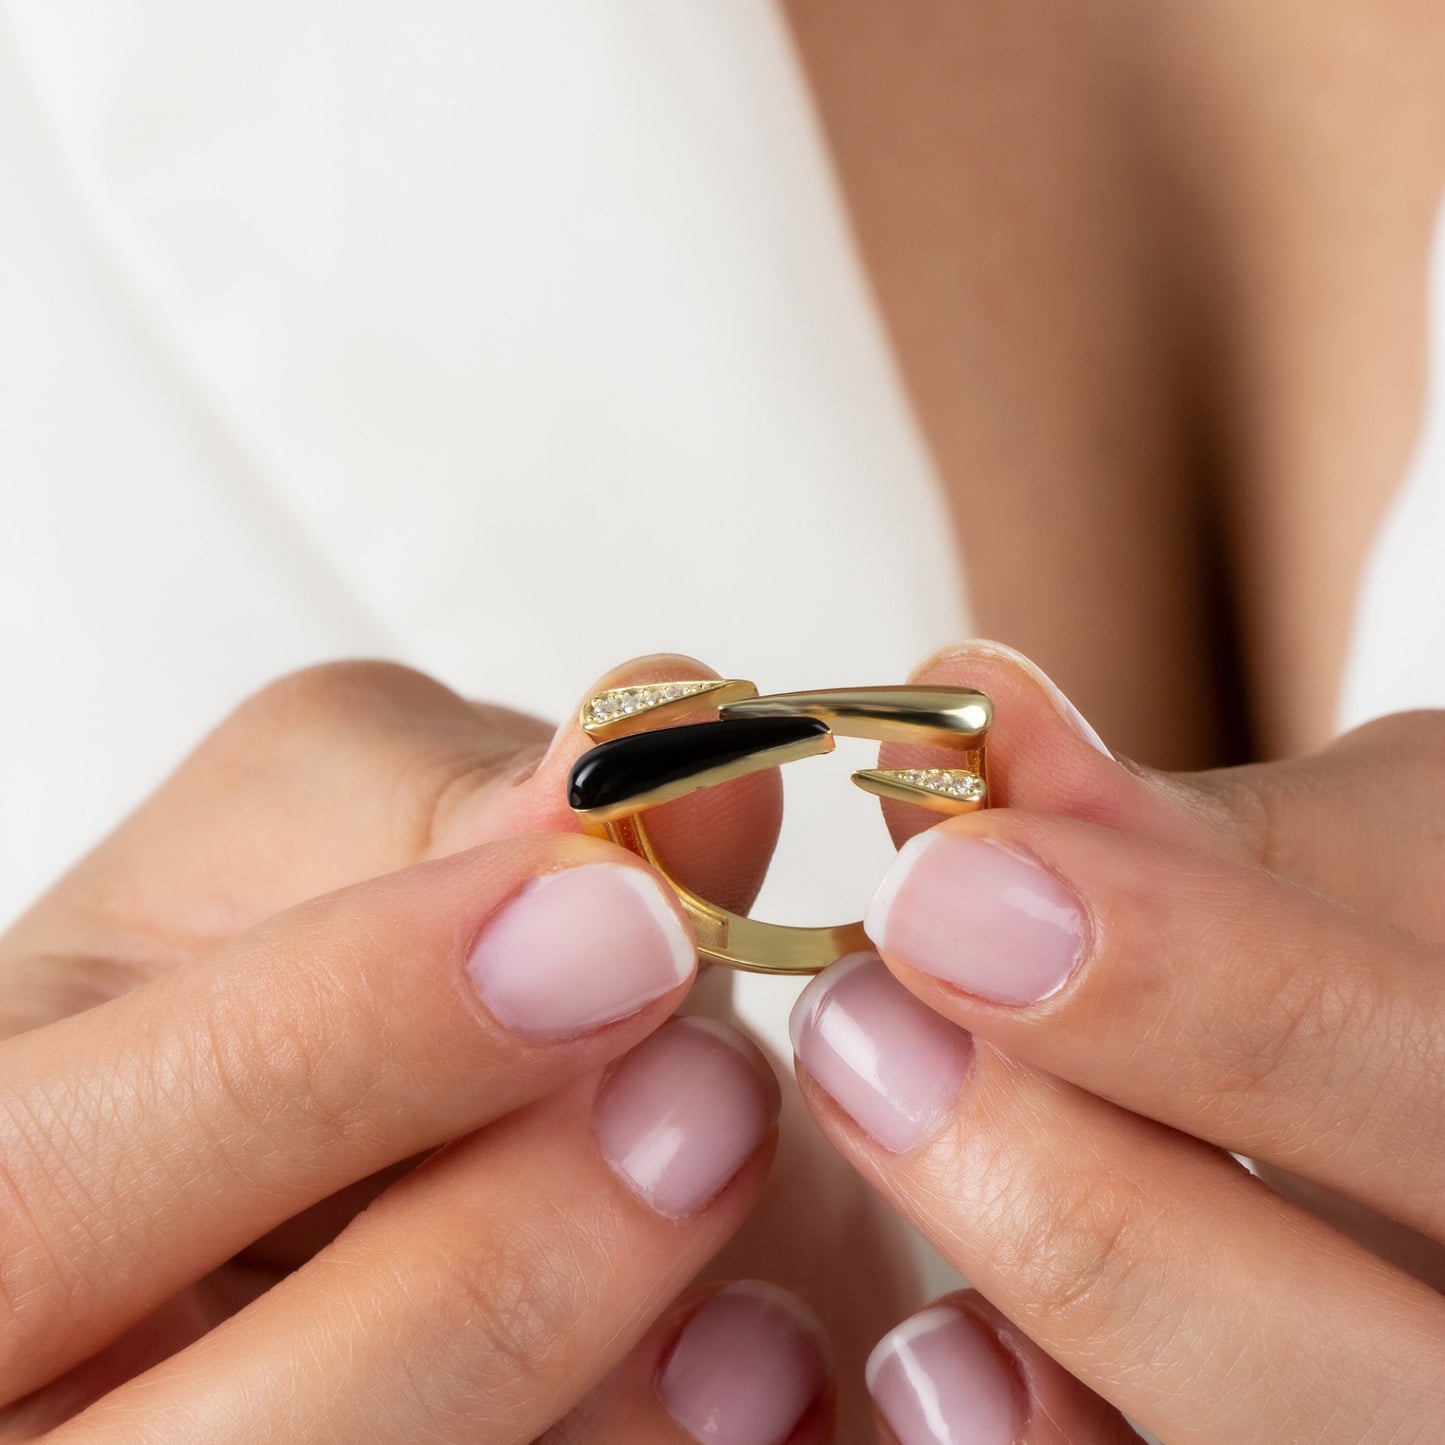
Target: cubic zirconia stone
x,y
950,782
619,702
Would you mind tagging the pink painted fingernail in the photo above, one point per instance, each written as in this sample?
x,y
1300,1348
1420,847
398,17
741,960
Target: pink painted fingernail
x,y
580,948
746,1367
978,916
684,1111
884,1057
942,1378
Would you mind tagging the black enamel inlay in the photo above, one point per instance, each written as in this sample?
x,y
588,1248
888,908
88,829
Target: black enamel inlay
x,y
615,771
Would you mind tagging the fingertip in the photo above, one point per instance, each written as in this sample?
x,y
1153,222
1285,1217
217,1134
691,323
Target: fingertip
x,y
891,1064
686,1114
959,1369
570,740
1042,753
750,1365
944,1369
729,855
973,652
577,934
718,841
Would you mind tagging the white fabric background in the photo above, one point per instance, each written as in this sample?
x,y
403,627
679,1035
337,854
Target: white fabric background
x,y
1397,655
327,334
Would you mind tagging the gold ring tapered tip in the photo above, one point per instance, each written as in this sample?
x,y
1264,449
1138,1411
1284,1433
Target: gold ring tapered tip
x,y
943,717
944,790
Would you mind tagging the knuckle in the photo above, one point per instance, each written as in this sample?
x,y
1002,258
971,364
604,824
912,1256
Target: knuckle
x,y
524,1294
1274,809
1413,737
1077,1254
423,749
1077,1245
303,1067
314,700
1261,801
1276,1057
1401,757
1289,1035
1296,1060
42,1294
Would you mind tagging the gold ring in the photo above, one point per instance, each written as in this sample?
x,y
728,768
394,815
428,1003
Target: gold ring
x,y
646,753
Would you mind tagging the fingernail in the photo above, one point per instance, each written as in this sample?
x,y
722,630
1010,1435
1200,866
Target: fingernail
x,y
745,1368
684,1111
579,948
942,1378
886,1059
1062,705
979,916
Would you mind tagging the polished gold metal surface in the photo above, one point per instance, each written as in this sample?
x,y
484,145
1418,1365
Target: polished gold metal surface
x,y
945,717
953,718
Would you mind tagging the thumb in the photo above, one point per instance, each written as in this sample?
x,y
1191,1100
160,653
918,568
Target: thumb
x,y
1357,821
1043,756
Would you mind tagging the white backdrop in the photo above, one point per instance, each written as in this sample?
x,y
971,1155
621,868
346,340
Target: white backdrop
x,y
341,328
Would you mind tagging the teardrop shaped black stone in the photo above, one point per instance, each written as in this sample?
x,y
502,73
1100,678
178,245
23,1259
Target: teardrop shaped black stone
x,y
613,772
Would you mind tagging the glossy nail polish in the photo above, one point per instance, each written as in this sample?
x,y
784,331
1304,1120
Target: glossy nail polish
x,y
884,1057
942,1378
579,948
980,916
746,1367
684,1111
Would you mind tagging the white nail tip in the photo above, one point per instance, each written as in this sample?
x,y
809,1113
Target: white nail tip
x,y
875,920
1056,695
684,956
901,1337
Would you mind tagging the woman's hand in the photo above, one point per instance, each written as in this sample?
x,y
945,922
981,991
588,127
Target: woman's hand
x,y
358,930
1093,995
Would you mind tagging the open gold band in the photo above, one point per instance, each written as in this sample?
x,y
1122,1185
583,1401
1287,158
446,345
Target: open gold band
x,y
650,749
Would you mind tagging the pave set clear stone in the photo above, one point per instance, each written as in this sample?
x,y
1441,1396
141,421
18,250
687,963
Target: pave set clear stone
x,y
620,702
949,782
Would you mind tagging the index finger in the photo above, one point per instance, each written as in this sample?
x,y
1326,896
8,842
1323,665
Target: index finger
x,y
328,777
149,1140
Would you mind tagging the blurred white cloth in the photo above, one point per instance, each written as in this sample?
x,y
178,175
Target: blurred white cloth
x,y
1397,654
336,328
508,341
